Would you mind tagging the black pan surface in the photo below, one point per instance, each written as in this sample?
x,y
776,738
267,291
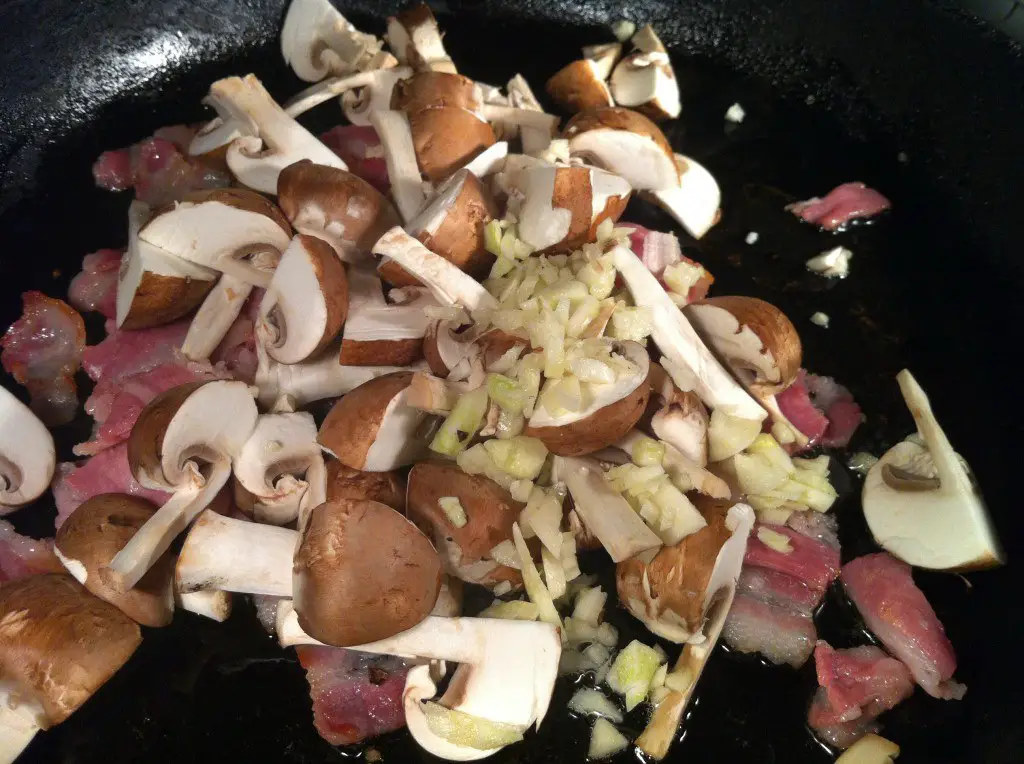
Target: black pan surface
x,y
920,102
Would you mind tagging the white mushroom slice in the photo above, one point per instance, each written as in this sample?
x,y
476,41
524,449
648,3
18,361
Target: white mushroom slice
x,y
681,345
488,161
682,420
445,348
215,316
359,106
331,88
580,86
305,304
400,157
257,161
212,604
678,464
644,80
231,230
921,503
414,37
695,201
511,115
445,281
27,456
604,55
221,553
182,442
535,139
604,512
281,469
317,40
154,287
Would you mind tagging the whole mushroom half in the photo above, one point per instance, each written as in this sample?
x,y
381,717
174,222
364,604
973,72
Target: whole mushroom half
x,y
447,138
58,645
27,455
317,41
465,541
435,90
644,80
414,37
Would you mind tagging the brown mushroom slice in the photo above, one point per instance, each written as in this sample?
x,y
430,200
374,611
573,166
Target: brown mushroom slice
x,y
383,487
580,86
378,332
215,317
372,429
89,539
432,394
59,644
280,469
564,206
489,511
306,302
395,133
183,443
534,138
316,41
154,287
446,138
414,37
27,455
626,143
428,89
695,201
604,55
644,80
345,596
672,592
231,230
336,206
612,409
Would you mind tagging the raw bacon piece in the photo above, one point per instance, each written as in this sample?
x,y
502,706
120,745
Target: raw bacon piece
x,y
811,562
355,695
842,204
21,556
361,150
43,350
658,250
95,287
837,734
795,404
778,590
896,612
112,171
780,635
123,353
107,472
821,409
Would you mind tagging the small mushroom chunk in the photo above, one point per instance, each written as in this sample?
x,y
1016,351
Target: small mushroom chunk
x,y
395,133
317,41
564,206
331,88
695,201
435,90
154,287
360,105
336,206
626,143
232,230
534,138
672,592
27,455
611,410
447,138
921,502
91,537
644,80
372,429
414,37
489,511
58,645
761,345
678,418
604,55
580,86
362,572
306,302
215,317
383,487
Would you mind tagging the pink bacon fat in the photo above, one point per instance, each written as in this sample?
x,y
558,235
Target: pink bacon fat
x,y
896,612
846,202
812,562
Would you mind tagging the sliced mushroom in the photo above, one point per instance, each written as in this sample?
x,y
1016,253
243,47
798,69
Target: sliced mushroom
x,y
490,512
444,348
449,599
210,603
280,469
336,206
644,79
414,37
27,455
672,592
377,331
89,539
432,394
212,322
436,89
306,302
488,161
580,86
154,287
59,645
694,203
755,338
678,418
344,596
231,230
563,206
922,504
684,356
626,143
447,138
612,409
604,512
395,135
360,105
271,140
384,487
372,429
535,139
334,87
317,40
183,443
604,55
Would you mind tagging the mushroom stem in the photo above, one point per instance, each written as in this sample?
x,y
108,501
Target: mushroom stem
x,y
215,316
953,478
400,157
212,604
225,554
19,723
324,91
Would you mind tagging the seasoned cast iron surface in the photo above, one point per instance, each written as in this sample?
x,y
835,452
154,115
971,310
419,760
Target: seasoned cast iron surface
x,y
933,287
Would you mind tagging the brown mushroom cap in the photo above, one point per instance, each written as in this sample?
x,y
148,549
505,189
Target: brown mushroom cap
x,y
146,440
383,487
240,198
577,87
94,533
617,118
445,139
58,643
362,572
435,90
490,513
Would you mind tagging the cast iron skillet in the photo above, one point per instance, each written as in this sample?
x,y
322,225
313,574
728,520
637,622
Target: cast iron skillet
x,y
834,91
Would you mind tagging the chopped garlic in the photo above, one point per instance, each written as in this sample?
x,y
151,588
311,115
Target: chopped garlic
x,y
870,749
820,319
735,113
453,510
623,29
605,740
679,681
589,702
833,263
505,554
774,540
752,237
861,462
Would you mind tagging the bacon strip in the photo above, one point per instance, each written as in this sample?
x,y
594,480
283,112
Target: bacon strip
x,y
811,562
844,203
95,286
